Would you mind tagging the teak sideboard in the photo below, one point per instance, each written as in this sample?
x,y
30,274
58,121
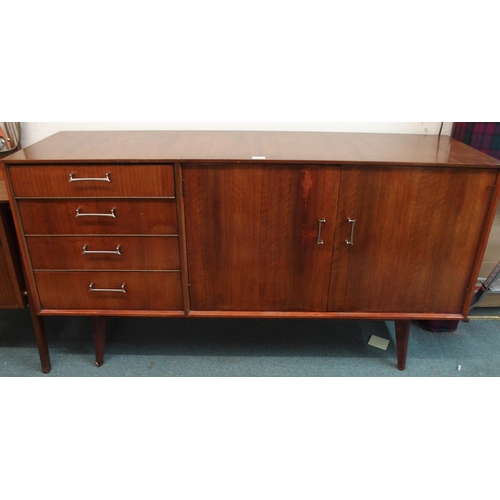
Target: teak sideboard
x,y
251,224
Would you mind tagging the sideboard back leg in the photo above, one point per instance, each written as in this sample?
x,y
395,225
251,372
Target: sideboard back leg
x,y
99,328
402,336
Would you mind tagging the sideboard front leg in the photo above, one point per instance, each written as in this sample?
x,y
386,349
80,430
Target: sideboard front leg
x,y
41,340
40,335
99,328
402,336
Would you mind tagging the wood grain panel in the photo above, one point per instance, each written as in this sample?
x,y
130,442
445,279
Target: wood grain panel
x,y
135,252
252,236
12,285
4,196
160,290
124,180
416,238
132,216
9,293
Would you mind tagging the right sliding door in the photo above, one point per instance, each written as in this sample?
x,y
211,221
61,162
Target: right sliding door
x,y
407,238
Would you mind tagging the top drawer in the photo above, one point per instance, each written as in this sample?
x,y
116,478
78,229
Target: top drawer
x,y
81,180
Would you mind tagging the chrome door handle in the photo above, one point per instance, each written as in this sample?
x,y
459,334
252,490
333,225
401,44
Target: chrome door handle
x,y
112,214
93,252
320,226
83,179
351,240
117,290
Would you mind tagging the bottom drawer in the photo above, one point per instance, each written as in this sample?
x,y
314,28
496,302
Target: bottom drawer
x,y
110,290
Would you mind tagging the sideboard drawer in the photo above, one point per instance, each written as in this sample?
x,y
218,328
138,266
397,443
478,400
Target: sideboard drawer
x,y
103,216
92,180
111,290
146,253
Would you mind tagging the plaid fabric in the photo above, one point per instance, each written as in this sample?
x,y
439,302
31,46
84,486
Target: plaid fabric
x,y
484,136
439,326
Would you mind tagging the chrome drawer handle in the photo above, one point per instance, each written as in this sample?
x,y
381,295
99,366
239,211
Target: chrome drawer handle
x,y
351,240
320,241
112,214
83,179
117,290
93,252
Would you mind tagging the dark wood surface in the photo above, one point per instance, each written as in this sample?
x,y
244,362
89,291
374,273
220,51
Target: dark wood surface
x,y
40,333
402,340
340,148
136,216
181,225
416,238
4,197
99,330
13,293
12,284
9,292
124,180
252,236
155,290
144,253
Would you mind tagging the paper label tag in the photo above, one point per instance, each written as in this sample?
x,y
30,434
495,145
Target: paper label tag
x,y
258,157
378,342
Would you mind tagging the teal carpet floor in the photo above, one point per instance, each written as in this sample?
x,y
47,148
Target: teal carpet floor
x,y
159,347
254,432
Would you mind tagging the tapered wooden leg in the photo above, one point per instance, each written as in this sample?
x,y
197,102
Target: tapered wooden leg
x,y
40,335
38,328
99,327
41,340
402,336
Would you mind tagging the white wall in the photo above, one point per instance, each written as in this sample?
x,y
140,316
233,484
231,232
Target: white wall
x,y
35,131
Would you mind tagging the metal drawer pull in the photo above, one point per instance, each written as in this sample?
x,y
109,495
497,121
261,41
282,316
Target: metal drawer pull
x,y
83,179
112,214
113,252
117,290
320,241
351,240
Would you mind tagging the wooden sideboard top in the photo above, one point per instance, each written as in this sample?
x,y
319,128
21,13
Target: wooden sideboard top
x,y
300,147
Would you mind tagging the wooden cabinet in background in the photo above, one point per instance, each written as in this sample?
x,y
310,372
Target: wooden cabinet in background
x,y
252,224
12,287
